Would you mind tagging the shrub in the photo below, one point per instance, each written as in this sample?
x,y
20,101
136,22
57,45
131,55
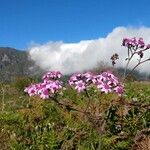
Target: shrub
x,y
21,82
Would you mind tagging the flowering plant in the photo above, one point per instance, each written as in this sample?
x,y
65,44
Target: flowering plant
x,y
135,47
106,82
112,115
104,120
48,87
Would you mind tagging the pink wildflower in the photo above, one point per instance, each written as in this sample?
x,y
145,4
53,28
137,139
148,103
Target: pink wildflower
x,y
48,87
80,86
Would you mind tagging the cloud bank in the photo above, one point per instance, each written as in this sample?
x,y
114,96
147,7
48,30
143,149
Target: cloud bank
x,y
84,55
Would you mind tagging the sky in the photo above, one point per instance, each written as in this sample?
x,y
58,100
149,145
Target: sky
x,y
24,22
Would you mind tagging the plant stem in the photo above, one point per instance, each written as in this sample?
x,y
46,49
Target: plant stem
x,y
139,63
125,71
129,59
3,95
66,106
89,100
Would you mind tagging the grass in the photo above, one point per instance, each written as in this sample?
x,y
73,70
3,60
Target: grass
x,y
110,122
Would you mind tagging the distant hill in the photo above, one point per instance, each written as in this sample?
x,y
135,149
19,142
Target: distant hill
x,y
15,63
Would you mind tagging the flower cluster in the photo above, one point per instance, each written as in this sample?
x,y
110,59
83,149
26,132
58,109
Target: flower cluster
x,y
81,80
52,75
135,43
105,81
48,87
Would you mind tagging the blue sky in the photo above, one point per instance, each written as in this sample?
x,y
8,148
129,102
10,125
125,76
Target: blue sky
x,y
40,21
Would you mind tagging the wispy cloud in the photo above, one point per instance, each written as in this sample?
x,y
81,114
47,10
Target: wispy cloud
x,y
84,55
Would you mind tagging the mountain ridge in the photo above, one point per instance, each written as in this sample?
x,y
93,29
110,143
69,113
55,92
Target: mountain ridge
x,y
15,63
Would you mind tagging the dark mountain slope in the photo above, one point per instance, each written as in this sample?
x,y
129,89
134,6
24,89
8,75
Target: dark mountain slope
x,y
14,63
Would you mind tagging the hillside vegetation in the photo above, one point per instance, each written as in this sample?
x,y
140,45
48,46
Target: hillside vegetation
x,y
110,123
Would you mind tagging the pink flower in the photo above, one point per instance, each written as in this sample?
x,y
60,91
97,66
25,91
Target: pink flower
x,y
141,43
54,86
80,86
52,75
31,90
105,81
81,81
94,79
124,42
113,82
119,89
44,94
48,87
88,76
104,88
133,42
72,80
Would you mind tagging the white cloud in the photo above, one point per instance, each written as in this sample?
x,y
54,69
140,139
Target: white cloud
x,y
72,57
